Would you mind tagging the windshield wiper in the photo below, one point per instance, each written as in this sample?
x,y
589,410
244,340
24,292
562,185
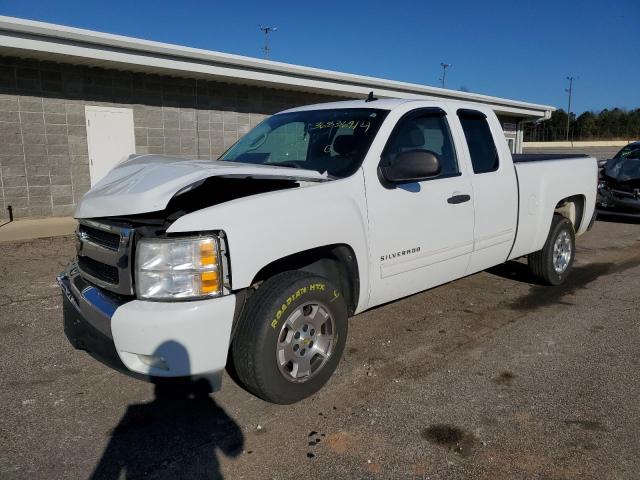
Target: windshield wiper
x,y
288,163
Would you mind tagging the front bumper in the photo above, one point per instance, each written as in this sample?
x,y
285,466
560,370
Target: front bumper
x,y
148,339
610,202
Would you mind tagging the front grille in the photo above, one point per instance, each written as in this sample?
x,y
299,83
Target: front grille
x,y
104,255
100,237
99,270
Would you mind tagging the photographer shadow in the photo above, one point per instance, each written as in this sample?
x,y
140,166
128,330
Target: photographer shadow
x,y
176,435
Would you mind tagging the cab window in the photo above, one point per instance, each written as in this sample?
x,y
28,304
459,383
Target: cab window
x,y
483,151
427,131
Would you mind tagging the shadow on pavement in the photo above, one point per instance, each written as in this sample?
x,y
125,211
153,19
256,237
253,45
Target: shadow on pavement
x,y
514,270
176,435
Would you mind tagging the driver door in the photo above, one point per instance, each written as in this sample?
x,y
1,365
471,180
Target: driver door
x,y
422,231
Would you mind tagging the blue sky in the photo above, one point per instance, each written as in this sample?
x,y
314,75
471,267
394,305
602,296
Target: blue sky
x,y
515,49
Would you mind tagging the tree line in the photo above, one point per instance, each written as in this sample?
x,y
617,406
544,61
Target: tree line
x,y
614,124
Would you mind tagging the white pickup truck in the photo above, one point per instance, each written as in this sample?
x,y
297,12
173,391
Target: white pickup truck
x,y
255,261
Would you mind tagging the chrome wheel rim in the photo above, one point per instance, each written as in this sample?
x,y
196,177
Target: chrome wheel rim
x,y
562,251
306,342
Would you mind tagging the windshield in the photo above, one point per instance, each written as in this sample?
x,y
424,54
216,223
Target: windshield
x,y
333,141
630,151
623,169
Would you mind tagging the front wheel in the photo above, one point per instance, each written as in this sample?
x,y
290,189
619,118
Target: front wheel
x,y
554,262
290,337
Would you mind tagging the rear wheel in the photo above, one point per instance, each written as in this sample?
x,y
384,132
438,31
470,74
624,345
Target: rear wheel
x,y
554,262
290,337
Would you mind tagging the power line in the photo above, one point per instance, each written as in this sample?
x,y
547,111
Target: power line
x,y
267,30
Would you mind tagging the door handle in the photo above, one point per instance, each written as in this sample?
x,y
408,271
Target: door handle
x,y
458,198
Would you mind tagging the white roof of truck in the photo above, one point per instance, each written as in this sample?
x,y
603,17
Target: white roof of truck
x,y
382,103
389,104
46,41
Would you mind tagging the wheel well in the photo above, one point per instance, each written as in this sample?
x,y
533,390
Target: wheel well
x,y
336,262
572,208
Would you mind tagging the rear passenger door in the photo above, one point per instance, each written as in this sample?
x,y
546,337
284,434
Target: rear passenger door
x,y
495,190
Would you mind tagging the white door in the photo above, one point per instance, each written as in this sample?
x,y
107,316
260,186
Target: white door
x,y
110,137
495,190
421,232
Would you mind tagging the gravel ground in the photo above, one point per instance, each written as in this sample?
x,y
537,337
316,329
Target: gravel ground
x,y
490,377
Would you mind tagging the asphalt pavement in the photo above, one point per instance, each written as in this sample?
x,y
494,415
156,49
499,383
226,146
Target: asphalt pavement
x,y
488,377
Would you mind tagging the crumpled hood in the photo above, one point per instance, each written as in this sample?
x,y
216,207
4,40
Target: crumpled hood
x,y
623,170
146,183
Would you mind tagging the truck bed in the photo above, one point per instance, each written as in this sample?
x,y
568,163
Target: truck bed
x,y
543,181
543,157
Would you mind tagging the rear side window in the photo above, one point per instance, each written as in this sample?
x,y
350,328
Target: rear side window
x,y
484,155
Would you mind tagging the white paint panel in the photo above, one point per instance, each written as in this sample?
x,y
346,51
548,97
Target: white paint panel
x,y
415,216
110,137
146,183
263,228
542,185
495,202
191,337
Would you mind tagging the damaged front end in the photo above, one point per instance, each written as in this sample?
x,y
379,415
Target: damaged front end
x,y
146,194
107,284
148,183
202,194
619,187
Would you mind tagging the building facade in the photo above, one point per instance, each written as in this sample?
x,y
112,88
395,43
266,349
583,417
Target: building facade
x,y
44,153
68,97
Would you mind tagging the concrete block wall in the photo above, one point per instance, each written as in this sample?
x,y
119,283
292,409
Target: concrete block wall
x,y
44,162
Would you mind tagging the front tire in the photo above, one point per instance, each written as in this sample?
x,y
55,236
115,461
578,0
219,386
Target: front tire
x,y
553,264
290,337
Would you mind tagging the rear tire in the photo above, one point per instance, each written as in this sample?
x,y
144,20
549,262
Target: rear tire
x,y
290,337
554,262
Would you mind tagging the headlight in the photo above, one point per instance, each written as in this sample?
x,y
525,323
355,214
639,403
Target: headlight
x,y
178,268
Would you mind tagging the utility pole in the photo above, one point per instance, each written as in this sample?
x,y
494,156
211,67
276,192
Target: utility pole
x,y
444,72
267,30
570,92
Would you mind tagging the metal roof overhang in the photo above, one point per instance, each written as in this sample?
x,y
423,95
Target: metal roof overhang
x,y
44,41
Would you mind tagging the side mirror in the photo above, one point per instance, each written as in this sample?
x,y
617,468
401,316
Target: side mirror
x,y
411,166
